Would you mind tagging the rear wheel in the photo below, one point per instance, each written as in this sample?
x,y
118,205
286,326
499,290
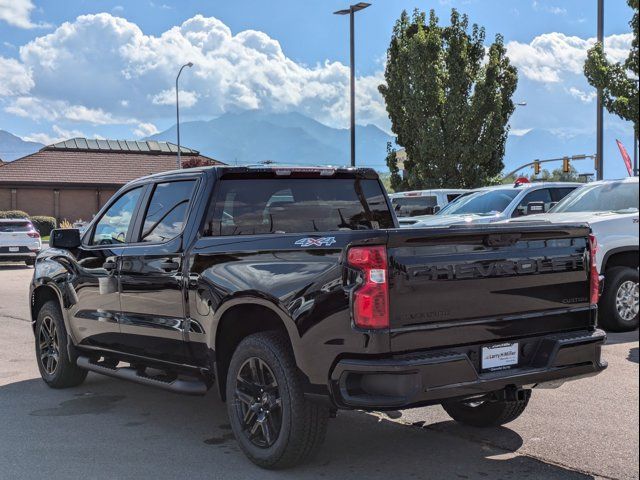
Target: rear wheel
x,y
275,425
486,413
56,369
619,303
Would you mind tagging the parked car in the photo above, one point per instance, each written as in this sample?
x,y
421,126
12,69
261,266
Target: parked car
x,y
611,209
293,293
422,202
19,241
495,204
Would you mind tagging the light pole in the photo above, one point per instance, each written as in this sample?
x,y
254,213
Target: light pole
x,y
179,162
599,120
351,12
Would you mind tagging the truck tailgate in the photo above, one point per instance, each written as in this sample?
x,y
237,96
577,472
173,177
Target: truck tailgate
x,y
478,284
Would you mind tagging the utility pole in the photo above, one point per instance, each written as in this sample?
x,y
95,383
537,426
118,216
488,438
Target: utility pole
x,y
599,113
352,60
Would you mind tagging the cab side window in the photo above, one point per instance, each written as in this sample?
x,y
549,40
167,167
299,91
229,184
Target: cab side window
x,y
113,226
542,195
167,211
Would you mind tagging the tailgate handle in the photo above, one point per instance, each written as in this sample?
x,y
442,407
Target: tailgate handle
x,y
502,239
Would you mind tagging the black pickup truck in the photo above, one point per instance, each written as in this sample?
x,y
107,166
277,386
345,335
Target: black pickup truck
x,y
294,294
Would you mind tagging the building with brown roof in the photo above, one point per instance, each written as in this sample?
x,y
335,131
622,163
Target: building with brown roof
x,y
73,179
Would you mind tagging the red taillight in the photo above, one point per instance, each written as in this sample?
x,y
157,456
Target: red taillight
x,y
594,275
371,299
33,234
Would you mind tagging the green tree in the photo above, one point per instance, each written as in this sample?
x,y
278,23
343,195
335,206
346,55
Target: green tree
x,y
449,101
618,81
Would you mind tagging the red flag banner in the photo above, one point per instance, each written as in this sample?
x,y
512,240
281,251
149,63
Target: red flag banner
x,y
625,157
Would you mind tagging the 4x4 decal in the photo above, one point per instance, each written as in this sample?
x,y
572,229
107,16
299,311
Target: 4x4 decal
x,y
316,242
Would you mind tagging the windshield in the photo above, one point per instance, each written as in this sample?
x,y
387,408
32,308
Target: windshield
x,y
414,206
481,202
601,197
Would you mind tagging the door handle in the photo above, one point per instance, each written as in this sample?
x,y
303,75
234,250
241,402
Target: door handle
x,y
170,266
109,265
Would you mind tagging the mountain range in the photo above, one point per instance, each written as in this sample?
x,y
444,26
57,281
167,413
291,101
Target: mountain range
x,y
292,138
12,146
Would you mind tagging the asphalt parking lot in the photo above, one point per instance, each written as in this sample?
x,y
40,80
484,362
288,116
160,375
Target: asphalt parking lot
x,y
107,428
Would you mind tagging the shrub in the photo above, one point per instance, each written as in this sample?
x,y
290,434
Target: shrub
x,y
13,214
44,224
66,224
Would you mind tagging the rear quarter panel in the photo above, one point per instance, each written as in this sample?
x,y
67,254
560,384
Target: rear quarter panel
x,y
303,285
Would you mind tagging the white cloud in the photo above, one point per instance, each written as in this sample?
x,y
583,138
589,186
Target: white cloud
x,y
552,56
585,97
97,60
18,13
15,78
52,110
555,10
59,134
519,132
168,97
145,130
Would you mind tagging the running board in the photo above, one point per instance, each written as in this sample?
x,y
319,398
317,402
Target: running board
x,y
188,387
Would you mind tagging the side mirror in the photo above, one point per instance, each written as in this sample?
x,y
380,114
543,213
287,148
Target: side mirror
x,y
436,209
65,238
535,207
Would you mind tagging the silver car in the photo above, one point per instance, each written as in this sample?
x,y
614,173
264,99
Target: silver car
x,y
494,204
19,241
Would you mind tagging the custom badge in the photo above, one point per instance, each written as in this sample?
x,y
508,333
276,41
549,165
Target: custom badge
x,y
316,242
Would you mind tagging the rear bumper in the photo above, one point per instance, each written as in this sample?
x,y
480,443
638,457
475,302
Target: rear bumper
x,y
423,379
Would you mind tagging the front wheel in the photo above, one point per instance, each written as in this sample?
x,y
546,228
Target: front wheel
x,y
275,425
486,413
619,302
56,368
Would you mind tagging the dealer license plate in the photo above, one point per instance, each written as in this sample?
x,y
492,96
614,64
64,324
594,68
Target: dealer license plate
x,y
499,357
13,249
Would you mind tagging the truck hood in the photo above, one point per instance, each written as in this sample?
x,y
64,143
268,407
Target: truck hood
x,y
445,220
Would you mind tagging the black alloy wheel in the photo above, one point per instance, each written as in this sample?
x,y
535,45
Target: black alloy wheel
x,y
49,345
258,406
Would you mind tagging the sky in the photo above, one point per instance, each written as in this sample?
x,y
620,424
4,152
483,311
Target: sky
x,y
107,68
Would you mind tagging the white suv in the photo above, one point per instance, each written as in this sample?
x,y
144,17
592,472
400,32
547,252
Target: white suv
x,y
19,241
610,208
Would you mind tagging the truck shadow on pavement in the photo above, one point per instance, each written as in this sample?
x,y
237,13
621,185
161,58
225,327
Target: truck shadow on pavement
x,y
112,429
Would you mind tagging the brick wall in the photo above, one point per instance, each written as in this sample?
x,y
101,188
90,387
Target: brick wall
x,y
5,199
68,204
35,201
78,204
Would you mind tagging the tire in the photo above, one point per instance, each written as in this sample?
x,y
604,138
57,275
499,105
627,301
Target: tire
x,y
297,426
486,414
56,368
619,300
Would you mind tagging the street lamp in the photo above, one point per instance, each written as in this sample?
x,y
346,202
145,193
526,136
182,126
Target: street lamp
x,y
178,112
599,112
351,12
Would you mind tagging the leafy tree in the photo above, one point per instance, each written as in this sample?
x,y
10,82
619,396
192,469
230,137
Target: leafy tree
x,y
618,81
449,100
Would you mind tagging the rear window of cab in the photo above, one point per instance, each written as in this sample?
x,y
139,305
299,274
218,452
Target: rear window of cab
x,y
298,205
